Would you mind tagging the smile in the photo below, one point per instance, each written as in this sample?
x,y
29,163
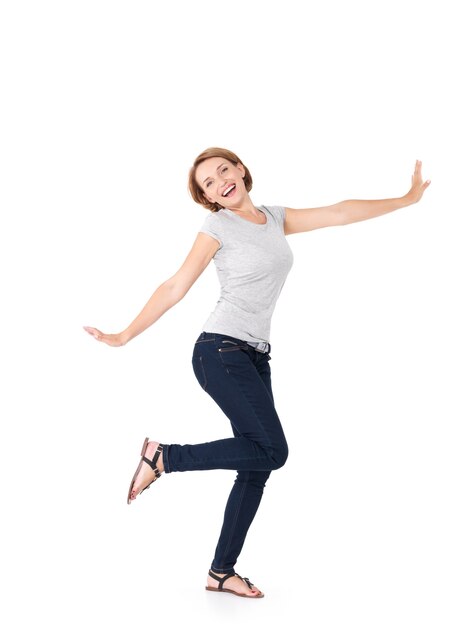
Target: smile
x,y
228,193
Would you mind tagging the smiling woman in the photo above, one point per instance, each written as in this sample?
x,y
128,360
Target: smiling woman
x,y
232,353
224,158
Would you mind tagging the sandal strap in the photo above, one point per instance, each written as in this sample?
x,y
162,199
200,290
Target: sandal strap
x,y
153,462
221,579
248,582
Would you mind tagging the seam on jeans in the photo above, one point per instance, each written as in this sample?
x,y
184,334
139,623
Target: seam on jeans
x,y
204,373
235,520
188,467
198,359
217,570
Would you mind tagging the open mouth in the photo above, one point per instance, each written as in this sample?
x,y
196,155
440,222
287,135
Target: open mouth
x,y
230,191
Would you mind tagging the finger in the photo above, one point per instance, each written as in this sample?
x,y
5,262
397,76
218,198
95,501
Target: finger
x,y
417,175
94,332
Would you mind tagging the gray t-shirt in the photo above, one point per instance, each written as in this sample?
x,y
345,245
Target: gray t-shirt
x,y
252,265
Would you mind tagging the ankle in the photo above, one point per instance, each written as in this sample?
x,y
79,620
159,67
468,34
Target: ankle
x,y
160,466
220,575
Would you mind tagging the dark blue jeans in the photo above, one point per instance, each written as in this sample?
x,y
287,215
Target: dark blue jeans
x,y
238,378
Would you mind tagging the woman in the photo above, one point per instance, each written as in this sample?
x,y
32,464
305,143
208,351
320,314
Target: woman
x,y
231,355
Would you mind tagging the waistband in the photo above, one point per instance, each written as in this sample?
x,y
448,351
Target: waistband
x,y
259,346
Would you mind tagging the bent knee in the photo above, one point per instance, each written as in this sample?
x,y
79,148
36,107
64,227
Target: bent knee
x,y
280,455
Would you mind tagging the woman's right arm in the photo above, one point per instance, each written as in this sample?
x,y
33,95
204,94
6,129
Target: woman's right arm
x,y
167,294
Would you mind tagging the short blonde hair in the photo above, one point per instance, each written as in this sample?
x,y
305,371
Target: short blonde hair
x,y
195,190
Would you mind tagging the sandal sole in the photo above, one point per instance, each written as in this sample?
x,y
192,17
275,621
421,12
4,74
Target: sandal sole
x,y
142,454
240,595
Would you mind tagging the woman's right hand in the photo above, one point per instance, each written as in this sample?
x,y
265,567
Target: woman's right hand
x,y
112,340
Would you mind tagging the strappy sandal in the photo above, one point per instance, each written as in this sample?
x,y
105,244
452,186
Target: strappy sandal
x,y
221,581
153,465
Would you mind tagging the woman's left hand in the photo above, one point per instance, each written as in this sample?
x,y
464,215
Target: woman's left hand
x,y
115,340
417,186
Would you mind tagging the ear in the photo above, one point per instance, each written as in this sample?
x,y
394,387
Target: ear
x,y
241,168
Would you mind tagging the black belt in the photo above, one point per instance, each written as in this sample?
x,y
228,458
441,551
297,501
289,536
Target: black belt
x,y
259,346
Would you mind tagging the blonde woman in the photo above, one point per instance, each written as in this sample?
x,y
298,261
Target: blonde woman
x,y
231,355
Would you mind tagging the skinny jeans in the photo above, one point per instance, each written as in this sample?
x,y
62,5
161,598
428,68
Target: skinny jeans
x,y
238,378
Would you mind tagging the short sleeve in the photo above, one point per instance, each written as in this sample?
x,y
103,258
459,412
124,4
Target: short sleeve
x,y
279,215
212,226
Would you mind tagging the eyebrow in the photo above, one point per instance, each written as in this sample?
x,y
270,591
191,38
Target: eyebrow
x,y
215,170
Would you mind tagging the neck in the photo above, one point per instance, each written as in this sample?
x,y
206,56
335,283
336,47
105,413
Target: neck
x,y
245,206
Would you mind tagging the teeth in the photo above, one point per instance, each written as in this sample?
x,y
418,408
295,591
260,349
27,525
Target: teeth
x,y
228,190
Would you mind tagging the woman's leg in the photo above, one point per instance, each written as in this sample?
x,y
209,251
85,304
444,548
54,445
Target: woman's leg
x,y
239,381
241,508
243,502
231,376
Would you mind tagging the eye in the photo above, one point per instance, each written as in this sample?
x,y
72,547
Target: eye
x,y
224,169
209,184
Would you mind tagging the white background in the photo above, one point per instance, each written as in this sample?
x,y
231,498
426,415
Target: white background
x,y
104,107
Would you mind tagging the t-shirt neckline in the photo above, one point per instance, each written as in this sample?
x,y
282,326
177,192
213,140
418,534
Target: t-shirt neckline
x,y
248,221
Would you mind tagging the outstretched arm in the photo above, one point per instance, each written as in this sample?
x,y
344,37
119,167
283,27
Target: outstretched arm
x,y
349,211
162,299
167,295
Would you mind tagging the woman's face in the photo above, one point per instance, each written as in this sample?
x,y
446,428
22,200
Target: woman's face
x,y
222,181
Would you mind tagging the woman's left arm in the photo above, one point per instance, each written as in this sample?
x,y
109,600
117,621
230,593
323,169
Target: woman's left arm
x,y
349,211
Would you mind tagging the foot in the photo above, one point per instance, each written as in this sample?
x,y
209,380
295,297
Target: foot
x,y
146,475
234,583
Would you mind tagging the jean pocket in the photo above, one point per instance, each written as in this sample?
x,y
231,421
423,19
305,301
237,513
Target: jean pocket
x,y
232,349
199,371
232,345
